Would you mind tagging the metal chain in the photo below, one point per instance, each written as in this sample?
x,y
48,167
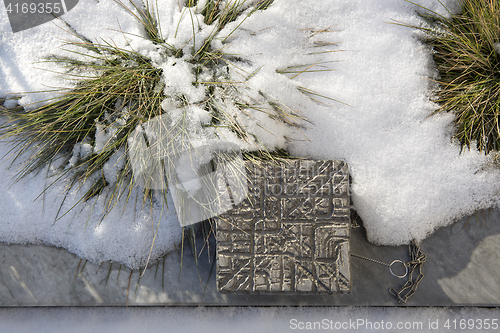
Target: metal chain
x,y
415,264
370,259
417,259
405,265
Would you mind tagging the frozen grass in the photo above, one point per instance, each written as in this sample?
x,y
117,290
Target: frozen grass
x,y
117,90
466,51
89,132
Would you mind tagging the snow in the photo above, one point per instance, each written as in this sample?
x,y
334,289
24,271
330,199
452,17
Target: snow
x,y
409,177
497,47
125,235
177,76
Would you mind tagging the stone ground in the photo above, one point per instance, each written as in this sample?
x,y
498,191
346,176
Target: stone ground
x,y
462,268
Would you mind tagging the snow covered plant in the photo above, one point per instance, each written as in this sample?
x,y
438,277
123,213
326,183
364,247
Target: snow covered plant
x,y
466,51
160,109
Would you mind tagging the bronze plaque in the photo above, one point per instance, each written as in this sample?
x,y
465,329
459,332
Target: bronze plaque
x,y
291,233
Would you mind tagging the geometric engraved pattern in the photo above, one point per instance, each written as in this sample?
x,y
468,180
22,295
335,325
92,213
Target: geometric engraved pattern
x,y
291,233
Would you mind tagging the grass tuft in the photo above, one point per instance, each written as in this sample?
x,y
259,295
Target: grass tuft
x,y
466,52
95,126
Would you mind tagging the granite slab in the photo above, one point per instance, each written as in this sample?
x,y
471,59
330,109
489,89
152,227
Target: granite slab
x,y
462,268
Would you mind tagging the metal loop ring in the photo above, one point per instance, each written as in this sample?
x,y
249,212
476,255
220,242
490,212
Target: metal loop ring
x,y
403,264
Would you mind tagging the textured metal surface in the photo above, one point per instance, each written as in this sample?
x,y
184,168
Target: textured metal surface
x,y
291,235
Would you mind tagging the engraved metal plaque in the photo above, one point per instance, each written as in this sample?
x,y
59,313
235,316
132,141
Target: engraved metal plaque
x,y
291,234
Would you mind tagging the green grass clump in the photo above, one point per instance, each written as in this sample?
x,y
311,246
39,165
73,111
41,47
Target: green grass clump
x,y
118,90
466,52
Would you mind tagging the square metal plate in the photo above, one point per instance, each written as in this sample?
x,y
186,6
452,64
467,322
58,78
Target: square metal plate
x,y
291,233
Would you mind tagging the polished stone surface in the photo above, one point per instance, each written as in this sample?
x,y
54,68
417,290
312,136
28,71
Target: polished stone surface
x,y
462,268
291,234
